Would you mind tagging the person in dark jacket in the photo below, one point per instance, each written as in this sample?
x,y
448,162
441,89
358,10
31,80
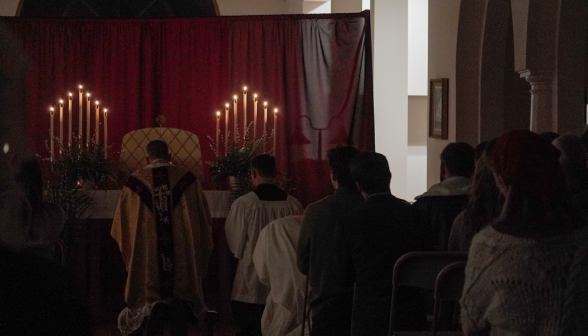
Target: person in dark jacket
x,y
331,313
368,242
445,200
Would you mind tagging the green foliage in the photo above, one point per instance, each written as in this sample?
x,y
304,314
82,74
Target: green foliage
x,y
78,163
235,162
64,175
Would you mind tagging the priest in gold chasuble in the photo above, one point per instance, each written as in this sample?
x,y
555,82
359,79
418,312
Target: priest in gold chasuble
x,y
162,226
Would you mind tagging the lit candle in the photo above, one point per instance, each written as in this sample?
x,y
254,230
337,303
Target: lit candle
x,y
97,123
275,129
244,110
106,132
235,121
254,115
51,132
217,131
61,140
81,117
70,118
88,134
264,119
226,124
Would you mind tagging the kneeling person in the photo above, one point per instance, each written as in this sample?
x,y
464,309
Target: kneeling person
x,y
275,262
162,226
249,214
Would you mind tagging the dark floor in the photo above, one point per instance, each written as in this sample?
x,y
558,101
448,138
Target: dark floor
x,y
112,330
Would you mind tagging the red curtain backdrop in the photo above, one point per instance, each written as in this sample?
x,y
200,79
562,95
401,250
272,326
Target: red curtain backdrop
x,y
315,68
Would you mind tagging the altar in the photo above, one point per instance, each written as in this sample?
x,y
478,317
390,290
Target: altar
x,y
101,272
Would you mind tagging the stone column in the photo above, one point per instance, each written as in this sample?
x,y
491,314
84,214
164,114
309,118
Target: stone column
x,y
542,113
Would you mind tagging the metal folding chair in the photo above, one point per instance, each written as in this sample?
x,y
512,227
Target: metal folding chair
x,y
419,269
448,286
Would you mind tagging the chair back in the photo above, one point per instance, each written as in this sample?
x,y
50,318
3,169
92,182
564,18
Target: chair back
x,y
60,251
448,286
419,269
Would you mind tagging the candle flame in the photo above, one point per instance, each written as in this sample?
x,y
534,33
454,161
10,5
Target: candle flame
x,y
105,112
255,95
70,94
218,114
80,86
244,88
60,101
97,102
88,94
276,111
227,105
264,103
51,109
235,97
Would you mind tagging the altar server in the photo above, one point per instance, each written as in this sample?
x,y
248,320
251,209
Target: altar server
x,y
275,262
162,226
249,214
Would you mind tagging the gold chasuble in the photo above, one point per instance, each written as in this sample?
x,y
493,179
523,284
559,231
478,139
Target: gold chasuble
x,y
162,226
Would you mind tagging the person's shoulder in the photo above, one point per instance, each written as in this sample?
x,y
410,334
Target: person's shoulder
x,y
489,239
294,200
180,170
319,204
246,199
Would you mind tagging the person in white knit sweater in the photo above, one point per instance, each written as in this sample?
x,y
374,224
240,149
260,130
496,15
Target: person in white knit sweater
x,y
527,273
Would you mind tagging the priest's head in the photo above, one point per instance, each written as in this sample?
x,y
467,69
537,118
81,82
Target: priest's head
x,y
263,169
371,173
157,150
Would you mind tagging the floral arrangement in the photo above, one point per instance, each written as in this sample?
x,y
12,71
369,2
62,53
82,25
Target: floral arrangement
x,y
77,167
234,162
80,163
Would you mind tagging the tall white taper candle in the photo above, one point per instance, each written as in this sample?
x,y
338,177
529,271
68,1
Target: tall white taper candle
x,y
97,123
217,131
61,139
226,124
275,129
265,120
88,134
51,131
70,129
235,121
106,132
80,132
244,112
254,115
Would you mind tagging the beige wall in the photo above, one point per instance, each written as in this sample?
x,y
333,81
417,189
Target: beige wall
x,y
345,6
443,22
417,146
257,7
8,7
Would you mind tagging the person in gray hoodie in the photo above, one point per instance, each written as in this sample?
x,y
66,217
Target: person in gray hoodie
x,y
446,199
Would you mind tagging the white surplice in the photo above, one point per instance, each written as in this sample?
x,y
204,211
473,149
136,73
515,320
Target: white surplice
x,y
275,262
248,216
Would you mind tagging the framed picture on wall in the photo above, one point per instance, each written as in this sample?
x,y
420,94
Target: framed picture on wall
x,y
438,106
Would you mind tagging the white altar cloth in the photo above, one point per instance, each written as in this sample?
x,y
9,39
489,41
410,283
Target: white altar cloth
x,y
104,203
